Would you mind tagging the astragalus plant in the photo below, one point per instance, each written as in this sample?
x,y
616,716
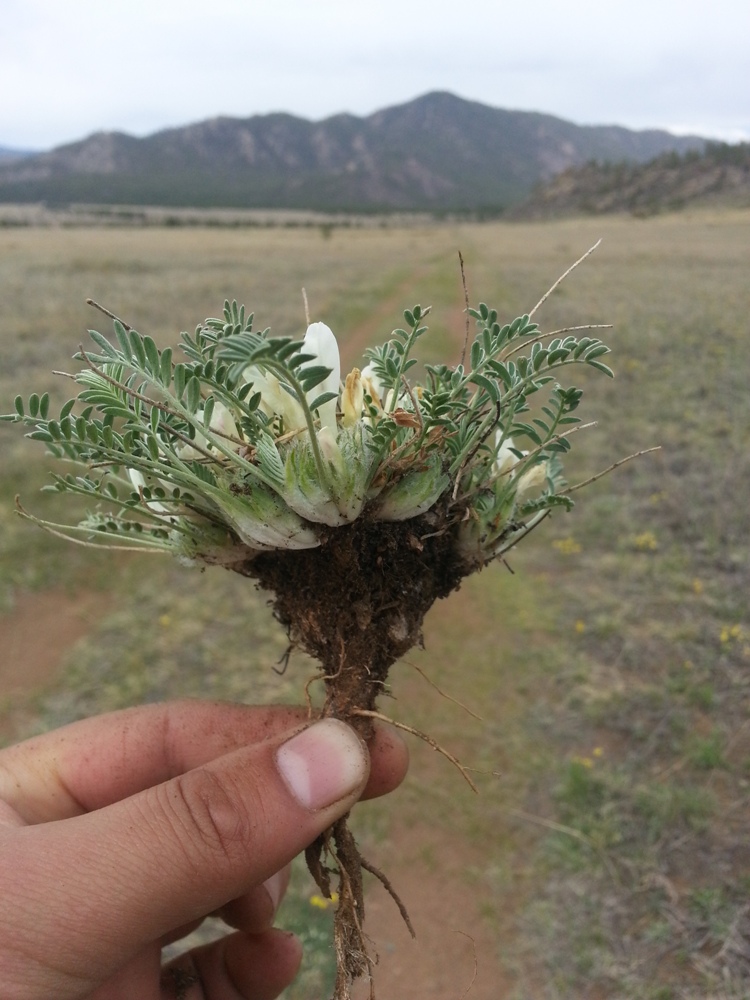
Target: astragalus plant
x,y
356,502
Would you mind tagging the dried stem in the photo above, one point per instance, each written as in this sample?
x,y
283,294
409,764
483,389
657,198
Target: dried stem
x,y
563,277
466,305
611,468
103,309
553,333
307,307
569,831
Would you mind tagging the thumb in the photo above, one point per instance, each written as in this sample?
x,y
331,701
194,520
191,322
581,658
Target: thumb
x,y
119,878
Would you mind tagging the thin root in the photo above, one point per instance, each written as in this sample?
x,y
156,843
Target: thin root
x,y
322,676
476,963
422,736
443,693
386,882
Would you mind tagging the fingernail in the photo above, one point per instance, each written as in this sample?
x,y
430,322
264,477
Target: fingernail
x,y
323,764
274,886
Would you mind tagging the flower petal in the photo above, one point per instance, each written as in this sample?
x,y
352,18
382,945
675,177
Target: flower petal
x,y
320,341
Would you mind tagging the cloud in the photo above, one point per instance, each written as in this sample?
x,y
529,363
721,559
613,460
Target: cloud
x,y
140,65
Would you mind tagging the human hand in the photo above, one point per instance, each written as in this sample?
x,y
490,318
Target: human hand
x,y
120,833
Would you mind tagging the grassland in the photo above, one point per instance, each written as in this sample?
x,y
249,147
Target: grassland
x,y
607,855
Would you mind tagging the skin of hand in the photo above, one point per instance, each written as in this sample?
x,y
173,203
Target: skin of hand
x,y
120,833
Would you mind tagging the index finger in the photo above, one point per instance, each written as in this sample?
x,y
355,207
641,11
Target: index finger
x,y
95,762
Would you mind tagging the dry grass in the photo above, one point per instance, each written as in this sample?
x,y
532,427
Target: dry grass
x,y
611,671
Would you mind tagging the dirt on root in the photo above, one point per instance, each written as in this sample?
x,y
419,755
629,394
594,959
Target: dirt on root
x,y
357,602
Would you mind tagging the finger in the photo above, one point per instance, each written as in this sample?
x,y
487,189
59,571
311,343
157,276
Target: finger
x,y
118,878
252,913
9,816
255,911
253,967
98,761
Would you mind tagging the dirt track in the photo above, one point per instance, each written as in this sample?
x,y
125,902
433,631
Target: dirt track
x,y
456,952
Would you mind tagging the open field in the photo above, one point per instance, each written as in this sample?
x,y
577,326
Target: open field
x,y
607,855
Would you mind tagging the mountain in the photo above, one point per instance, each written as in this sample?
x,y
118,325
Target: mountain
x,y
8,153
438,152
720,175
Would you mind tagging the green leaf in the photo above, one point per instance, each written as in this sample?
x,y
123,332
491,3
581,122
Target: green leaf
x,y
539,357
122,339
138,350
193,395
104,344
152,356
208,411
490,387
557,355
179,375
601,367
18,404
269,459
597,352
324,397
165,366
34,404
310,377
477,355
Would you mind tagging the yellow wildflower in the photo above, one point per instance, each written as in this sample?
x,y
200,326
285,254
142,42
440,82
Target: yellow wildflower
x,y
566,546
321,903
646,542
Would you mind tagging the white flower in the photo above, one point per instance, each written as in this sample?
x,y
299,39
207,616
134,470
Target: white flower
x,y
275,400
352,399
505,459
222,422
329,449
140,482
372,385
531,479
320,341
506,463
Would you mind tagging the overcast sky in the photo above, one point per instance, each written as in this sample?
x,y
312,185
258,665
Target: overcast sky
x,y
72,67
